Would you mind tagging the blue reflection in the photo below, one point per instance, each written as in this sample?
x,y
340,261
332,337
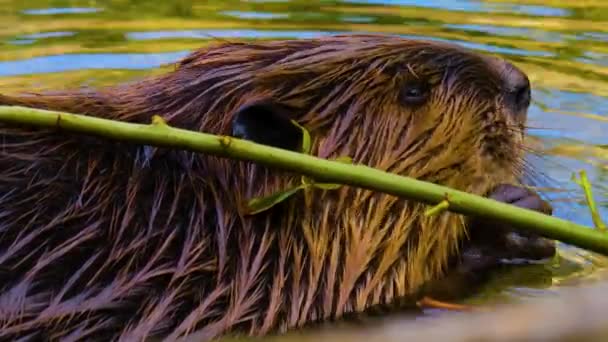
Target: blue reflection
x,y
486,47
257,34
522,32
471,6
255,15
591,57
552,124
71,62
236,33
45,35
599,36
54,11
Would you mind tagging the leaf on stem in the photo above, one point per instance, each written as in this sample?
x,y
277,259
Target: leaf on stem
x,y
327,186
306,141
260,204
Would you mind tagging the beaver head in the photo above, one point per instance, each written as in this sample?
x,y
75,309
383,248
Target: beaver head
x,y
111,238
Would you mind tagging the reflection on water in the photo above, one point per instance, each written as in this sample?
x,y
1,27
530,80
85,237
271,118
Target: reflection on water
x,y
563,46
62,63
514,32
51,11
471,6
232,34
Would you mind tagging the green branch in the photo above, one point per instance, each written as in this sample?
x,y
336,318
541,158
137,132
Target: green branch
x,y
586,186
160,134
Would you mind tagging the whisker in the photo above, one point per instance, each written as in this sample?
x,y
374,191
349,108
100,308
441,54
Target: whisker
x,y
519,128
565,196
541,128
223,40
542,181
536,176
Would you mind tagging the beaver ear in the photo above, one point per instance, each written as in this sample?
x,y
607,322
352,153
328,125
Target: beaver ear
x,y
267,123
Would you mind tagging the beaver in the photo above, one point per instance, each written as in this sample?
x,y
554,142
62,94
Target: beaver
x,y
113,240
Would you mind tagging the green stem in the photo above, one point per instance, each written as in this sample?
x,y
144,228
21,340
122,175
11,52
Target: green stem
x,y
595,215
162,135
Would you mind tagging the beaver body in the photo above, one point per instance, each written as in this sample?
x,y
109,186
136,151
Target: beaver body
x,y
109,240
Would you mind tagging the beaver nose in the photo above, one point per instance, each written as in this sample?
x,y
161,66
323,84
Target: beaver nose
x,y
517,88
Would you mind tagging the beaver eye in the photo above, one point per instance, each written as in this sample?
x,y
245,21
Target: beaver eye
x,y
415,93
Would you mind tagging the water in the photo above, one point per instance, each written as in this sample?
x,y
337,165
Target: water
x,y
563,48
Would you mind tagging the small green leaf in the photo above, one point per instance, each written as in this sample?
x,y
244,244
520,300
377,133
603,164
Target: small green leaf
x,y
306,141
260,204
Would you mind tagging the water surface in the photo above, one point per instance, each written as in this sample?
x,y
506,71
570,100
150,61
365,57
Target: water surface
x,y
563,48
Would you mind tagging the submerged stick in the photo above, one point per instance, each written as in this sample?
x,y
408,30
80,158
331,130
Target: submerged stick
x,y
160,134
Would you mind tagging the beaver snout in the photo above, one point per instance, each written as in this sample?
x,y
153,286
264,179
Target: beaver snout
x,y
517,88
515,85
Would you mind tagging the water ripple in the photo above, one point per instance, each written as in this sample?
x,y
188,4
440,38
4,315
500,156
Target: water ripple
x,y
471,6
71,62
55,11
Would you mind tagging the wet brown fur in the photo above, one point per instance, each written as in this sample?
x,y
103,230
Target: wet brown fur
x,y
101,239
